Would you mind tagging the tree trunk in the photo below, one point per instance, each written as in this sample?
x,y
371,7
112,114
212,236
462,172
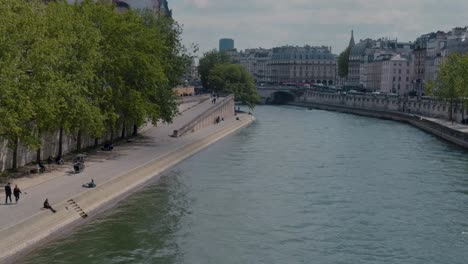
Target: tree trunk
x,y
135,130
112,136
15,154
451,110
463,112
60,150
38,155
123,130
38,151
78,141
96,142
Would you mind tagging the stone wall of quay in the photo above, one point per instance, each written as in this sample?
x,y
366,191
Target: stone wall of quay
x,y
50,141
406,110
424,107
50,147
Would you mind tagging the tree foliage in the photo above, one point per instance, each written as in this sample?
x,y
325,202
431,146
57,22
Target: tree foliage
x,y
233,78
84,68
343,62
452,81
209,60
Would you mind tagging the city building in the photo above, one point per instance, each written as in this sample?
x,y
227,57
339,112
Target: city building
x,y
440,45
226,44
359,54
308,64
257,63
362,72
419,55
159,7
434,47
396,75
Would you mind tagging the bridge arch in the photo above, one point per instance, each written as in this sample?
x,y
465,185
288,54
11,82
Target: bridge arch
x,y
281,97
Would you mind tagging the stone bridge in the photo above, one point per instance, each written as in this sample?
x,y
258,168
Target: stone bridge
x,y
278,94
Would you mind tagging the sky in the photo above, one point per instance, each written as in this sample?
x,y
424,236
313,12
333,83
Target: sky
x,y
272,23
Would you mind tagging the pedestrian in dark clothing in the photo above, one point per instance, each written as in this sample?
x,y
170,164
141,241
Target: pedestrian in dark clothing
x,y
59,160
47,206
7,193
42,168
16,193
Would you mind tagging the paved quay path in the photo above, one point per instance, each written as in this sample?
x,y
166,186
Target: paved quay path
x,y
453,125
104,167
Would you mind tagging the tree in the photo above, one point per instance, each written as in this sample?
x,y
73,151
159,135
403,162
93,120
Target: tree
x,y
21,33
343,63
75,77
81,68
452,81
233,78
209,60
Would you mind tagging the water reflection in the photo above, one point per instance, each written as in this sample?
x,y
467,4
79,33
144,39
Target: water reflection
x,y
139,230
295,187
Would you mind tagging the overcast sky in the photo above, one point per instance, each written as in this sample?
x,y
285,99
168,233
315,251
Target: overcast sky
x,y
270,23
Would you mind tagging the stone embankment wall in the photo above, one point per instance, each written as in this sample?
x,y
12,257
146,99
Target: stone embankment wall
x,y
424,107
393,108
50,141
223,109
50,146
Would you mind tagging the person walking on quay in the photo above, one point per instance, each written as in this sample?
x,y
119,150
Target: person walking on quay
x,y
47,206
16,193
7,193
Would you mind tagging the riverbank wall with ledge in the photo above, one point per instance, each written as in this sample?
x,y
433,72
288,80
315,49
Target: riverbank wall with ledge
x,y
454,136
222,109
50,140
44,226
429,107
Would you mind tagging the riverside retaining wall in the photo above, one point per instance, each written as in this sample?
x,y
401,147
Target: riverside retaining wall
x,y
50,141
425,107
391,109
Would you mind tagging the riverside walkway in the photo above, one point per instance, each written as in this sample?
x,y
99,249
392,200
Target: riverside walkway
x,y
155,143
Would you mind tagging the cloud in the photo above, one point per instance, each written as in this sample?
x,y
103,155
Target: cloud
x,y
199,3
267,23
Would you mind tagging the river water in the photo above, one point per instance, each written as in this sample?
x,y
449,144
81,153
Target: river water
x,y
297,186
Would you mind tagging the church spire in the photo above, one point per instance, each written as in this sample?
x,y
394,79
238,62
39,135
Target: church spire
x,y
351,41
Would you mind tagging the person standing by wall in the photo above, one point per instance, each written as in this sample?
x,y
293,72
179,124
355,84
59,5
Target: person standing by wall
x,y
7,193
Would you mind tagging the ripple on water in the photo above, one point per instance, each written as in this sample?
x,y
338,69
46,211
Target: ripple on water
x,y
295,187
